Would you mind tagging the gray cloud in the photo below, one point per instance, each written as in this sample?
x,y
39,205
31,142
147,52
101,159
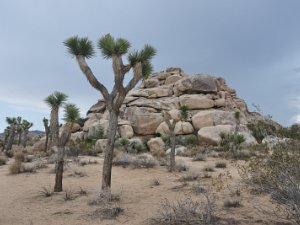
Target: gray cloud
x,y
254,44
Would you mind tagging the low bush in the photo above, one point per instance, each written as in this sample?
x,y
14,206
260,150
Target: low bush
x,y
46,192
221,164
3,160
180,166
200,157
16,167
139,161
183,212
208,169
233,203
19,156
189,177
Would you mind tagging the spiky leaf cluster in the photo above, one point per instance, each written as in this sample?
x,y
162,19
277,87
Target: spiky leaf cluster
x,y
56,99
80,46
184,112
144,57
71,113
110,46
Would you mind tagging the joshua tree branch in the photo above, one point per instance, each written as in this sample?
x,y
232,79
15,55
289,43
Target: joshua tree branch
x,y
91,78
137,75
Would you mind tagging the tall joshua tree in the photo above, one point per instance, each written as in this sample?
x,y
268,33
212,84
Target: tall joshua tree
x,y
25,127
114,49
19,129
71,114
47,131
55,101
12,122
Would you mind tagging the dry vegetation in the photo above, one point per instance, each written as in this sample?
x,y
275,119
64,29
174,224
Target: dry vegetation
x,y
205,189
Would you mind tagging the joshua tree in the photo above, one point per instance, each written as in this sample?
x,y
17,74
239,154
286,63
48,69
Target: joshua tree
x,y
47,131
6,136
111,48
12,122
19,129
55,101
237,116
25,127
71,114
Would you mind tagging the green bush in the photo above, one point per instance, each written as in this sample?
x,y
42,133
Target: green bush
x,y
260,129
191,140
277,174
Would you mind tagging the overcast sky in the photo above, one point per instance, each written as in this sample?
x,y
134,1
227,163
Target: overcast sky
x,y
253,44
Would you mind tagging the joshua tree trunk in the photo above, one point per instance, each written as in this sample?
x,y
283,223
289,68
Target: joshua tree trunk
x,y
19,138
25,138
172,154
11,139
107,164
46,142
54,126
60,157
59,170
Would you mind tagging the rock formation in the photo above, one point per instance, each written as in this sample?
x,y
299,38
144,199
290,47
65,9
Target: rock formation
x,y
211,103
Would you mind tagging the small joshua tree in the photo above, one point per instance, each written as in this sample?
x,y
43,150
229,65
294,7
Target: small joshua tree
x,y
71,114
114,49
12,121
55,101
25,127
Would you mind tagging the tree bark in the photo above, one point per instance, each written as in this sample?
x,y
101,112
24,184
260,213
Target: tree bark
x,y
172,154
54,126
19,138
59,170
25,138
64,138
107,164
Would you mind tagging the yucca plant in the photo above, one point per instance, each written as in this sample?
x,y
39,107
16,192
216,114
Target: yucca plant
x,y
47,131
113,49
25,128
71,114
55,101
12,122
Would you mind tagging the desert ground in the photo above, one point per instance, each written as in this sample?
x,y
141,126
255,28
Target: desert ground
x,y
140,196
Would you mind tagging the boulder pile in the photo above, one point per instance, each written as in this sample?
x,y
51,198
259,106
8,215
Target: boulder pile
x,y
211,104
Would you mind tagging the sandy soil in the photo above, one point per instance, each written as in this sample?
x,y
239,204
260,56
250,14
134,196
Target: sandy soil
x,y
21,203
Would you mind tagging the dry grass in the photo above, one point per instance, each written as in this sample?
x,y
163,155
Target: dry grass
x,y
16,167
3,160
19,156
221,164
189,177
139,161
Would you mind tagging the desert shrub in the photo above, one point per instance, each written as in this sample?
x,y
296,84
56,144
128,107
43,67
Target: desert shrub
x,y
122,144
207,176
75,171
180,166
279,175
183,212
82,192
292,132
139,161
232,203
208,169
69,195
84,162
29,169
144,161
213,154
191,140
155,182
200,157
19,156
108,212
184,112
46,192
189,177
221,164
260,129
3,160
16,167
198,189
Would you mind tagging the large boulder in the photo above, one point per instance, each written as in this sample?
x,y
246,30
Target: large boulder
x,y
77,136
151,82
212,134
196,101
100,145
126,131
163,128
208,118
166,103
182,86
172,79
179,150
143,122
156,146
203,83
99,107
183,127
